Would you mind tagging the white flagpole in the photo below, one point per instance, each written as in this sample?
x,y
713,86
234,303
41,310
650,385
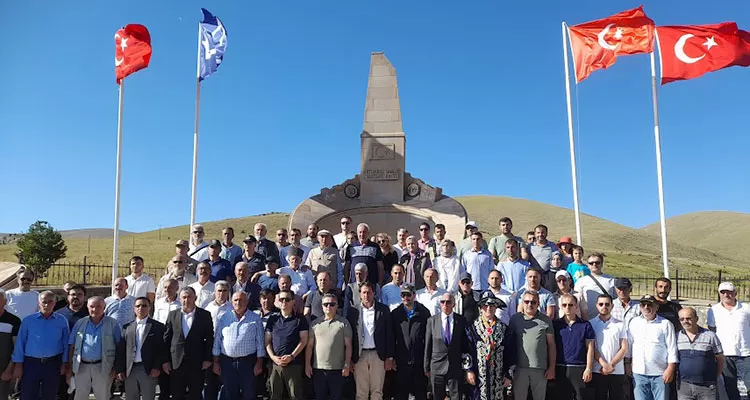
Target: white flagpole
x,y
573,168
117,184
659,177
195,132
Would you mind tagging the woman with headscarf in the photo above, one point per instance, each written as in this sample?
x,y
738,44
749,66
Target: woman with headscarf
x,y
415,262
556,265
390,255
448,266
490,337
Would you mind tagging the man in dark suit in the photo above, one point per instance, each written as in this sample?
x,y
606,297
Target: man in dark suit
x,y
446,341
140,353
245,284
189,333
409,324
375,332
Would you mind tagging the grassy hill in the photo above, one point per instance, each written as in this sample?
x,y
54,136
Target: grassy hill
x,y
719,231
628,249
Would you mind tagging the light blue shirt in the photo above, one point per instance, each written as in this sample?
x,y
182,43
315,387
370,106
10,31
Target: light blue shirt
x,y
91,346
41,337
302,281
478,264
239,337
545,298
231,254
514,274
122,310
390,295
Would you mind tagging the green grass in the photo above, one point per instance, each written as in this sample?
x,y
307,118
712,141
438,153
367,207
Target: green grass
x,y
629,251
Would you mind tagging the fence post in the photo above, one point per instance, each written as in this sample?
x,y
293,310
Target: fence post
x,y
677,283
84,270
718,295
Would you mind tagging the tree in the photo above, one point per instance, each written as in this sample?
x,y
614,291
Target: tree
x,y
40,247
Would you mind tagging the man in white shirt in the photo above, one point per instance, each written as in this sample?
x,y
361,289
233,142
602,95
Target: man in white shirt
x,y
204,288
140,284
730,319
220,303
390,294
303,281
376,344
611,348
429,296
653,350
400,246
178,271
22,301
198,248
169,302
346,227
591,286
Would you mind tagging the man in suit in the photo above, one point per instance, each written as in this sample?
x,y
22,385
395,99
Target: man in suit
x,y
446,342
140,353
189,333
409,323
245,284
376,346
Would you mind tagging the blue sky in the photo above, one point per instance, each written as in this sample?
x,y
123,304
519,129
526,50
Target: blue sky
x,y
482,93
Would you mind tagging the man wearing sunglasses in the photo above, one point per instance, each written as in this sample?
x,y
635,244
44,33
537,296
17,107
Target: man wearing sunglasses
x,y
611,348
328,352
653,348
596,283
22,301
286,338
409,325
730,319
346,226
701,359
198,248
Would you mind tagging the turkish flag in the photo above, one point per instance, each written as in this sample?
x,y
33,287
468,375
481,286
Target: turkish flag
x,y
132,50
597,44
690,51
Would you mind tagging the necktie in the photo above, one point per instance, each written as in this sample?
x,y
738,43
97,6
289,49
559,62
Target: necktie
x,y
448,330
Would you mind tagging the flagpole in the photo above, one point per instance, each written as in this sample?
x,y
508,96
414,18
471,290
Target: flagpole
x,y
115,245
659,177
195,132
571,139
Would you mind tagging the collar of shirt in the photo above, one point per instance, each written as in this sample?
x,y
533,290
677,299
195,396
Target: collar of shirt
x,y
141,321
443,317
188,315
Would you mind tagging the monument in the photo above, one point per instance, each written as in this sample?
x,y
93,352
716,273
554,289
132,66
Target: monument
x,y
383,194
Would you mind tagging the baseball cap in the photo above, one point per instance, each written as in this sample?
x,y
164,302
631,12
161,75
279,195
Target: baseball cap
x,y
407,288
250,239
214,243
648,299
465,276
727,286
622,283
323,232
472,223
562,272
181,243
272,260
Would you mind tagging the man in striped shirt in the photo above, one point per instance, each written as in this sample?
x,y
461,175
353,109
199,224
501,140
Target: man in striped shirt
x,y
701,359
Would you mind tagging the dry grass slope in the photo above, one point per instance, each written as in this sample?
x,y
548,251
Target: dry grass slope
x,y
718,231
629,250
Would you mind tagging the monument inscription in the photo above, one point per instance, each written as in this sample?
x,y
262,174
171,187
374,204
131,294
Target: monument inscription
x,y
383,174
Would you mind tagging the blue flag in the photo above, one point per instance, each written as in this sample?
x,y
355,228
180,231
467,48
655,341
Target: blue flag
x,y
212,46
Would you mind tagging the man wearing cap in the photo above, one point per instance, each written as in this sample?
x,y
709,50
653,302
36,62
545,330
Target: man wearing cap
x,y
390,294
667,308
139,283
221,269
326,258
409,327
533,341
701,359
181,248
177,272
624,308
496,287
446,343
574,340
513,267
611,348
465,244
230,251
302,278
198,248
653,352
541,249
478,262
730,319
265,246
311,240
255,261
467,299
269,279
365,252
591,286
498,244
429,296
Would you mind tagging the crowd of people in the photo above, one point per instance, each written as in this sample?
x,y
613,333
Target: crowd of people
x,y
361,316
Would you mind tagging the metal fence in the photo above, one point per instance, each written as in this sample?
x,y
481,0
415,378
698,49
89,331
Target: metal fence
x,y
698,286
90,274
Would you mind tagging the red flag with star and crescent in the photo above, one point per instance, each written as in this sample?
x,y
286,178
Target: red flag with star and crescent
x,y
132,50
596,44
687,52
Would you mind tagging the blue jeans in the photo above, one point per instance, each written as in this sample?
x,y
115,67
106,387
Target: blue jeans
x,y
736,368
239,377
650,387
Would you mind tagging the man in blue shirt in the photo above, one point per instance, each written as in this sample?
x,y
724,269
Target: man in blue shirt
x,y
39,355
92,348
239,344
220,268
574,339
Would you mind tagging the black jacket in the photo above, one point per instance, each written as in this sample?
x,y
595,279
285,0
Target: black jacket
x,y
409,335
154,352
469,306
383,333
198,345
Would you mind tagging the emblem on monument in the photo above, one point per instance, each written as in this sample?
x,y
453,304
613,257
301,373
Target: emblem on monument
x,y
383,152
413,189
351,191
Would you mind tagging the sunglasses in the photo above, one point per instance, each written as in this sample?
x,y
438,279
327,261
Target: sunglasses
x,y
330,304
221,290
686,319
604,305
281,234
424,229
647,305
141,306
345,222
285,299
567,305
529,302
726,292
198,232
406,295
177,261
446,301
595,263
26,279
